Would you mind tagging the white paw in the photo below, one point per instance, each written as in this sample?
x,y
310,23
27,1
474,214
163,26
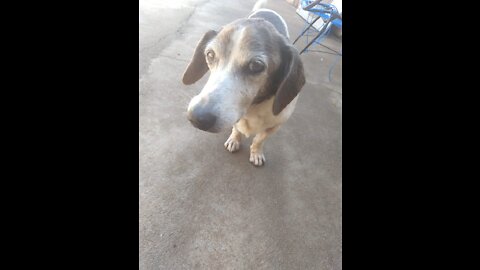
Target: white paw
x,y
232,145
257,159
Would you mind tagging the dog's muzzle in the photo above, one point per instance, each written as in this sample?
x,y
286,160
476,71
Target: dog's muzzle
x,y
202,118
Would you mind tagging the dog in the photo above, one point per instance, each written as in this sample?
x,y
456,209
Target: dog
x,y
255,77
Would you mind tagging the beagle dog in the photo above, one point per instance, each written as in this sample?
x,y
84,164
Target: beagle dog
x,y
255,77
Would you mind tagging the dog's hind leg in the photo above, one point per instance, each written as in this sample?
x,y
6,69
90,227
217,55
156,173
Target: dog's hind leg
x,y
233,142
257,157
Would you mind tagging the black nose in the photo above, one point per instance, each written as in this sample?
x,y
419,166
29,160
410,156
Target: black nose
x,y
201,118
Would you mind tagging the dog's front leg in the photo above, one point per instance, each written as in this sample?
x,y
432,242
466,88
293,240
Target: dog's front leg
x,y
233,142
257,157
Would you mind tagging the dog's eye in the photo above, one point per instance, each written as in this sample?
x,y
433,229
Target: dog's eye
x,y
256,66
210,56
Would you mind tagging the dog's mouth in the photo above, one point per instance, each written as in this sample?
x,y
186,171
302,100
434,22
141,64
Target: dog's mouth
x,y
206,118
205,124
213,129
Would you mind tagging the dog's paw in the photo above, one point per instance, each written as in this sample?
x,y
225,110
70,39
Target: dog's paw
x,y
232,145
257,159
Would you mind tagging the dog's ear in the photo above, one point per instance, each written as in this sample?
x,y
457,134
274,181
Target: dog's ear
x,y
293,78
198,66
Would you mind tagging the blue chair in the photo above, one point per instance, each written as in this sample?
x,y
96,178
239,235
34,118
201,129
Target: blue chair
x,y
329,15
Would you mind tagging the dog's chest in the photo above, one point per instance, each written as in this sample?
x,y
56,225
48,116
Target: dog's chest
x,y
250,126
260,117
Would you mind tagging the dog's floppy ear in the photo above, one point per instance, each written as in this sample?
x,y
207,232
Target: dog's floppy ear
x,y
198,66
294,78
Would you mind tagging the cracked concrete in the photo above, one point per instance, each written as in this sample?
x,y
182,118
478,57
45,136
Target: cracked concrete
x,y
202,207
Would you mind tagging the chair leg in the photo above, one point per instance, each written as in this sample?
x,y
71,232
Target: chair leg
x,y
308,27
324,28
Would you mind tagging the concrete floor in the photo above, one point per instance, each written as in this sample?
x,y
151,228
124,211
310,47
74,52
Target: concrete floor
x,y
202,207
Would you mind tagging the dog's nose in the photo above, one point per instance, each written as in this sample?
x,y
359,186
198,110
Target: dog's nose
x,y
201,118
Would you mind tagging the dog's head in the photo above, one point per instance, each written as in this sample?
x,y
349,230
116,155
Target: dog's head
x,y
249,61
